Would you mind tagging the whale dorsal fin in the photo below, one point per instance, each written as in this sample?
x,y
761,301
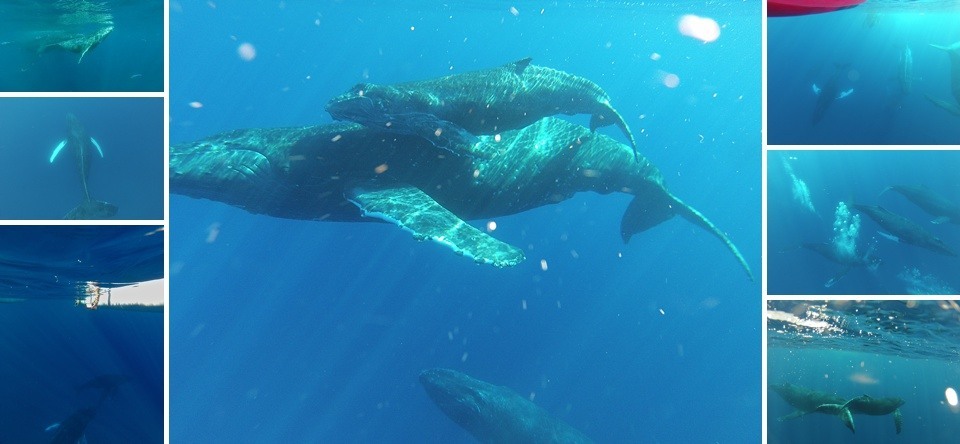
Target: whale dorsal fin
x,y
415,211
521,65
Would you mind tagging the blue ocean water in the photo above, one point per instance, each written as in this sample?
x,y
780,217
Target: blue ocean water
x,y
130,173
881,349
130,58
50,347
861,49
303,331
831,177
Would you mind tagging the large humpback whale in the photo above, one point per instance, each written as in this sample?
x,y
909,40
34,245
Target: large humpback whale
x,y
494,414
806,401
829,251
347,172
83,145
902,229
829,93
954,52
450,111
70,430
934,204
80,43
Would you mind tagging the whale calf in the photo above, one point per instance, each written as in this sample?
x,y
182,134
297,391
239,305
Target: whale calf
x,y
878,407
905,230
78,43
943,209
494,414
449,111
83,146
348,172
802,399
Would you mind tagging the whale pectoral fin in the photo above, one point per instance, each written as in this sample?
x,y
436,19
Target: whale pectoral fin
x,y
847,417
56,151
836,278
795,414
898,420
691,214
950,107
940,220
612,117
889,236
413,210
99,150
521,65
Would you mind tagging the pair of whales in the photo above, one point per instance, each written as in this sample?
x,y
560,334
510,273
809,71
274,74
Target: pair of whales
x,y
495,414
953,51
394,173
83,146
805,400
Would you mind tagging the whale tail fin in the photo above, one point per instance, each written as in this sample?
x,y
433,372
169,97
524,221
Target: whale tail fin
x,y
611,116
657,205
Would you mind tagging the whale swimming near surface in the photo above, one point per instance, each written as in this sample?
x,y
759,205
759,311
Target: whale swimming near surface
x,y
829,251
80,43
348,172
934,204
451,111
829,93
901,229
494,414
803,400
83,145
878,407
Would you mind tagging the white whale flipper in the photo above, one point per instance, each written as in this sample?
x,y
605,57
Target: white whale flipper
x,y
52,427
845,93
57,150
889,236
97,145
816,89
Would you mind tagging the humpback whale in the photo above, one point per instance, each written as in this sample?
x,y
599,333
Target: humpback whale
x,y
450,111
107,385
878,407
78,43
830,92
905,70
348,172
494,414
803,400
934,204
70,430
83,145
902,229
829,251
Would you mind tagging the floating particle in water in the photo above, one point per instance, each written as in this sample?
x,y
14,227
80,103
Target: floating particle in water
x,y
196,105
701,28
247,51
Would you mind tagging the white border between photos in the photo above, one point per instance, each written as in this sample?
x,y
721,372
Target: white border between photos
x,y
165,222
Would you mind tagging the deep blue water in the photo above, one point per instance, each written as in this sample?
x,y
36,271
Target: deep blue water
x,y
867,43
881,349
859,177
130,173
50,347
296,331
130,58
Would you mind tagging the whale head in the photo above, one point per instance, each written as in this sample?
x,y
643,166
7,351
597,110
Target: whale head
x,y
365,103
459,396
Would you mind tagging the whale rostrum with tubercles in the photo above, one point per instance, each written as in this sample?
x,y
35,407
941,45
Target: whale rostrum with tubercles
x,y
349,172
